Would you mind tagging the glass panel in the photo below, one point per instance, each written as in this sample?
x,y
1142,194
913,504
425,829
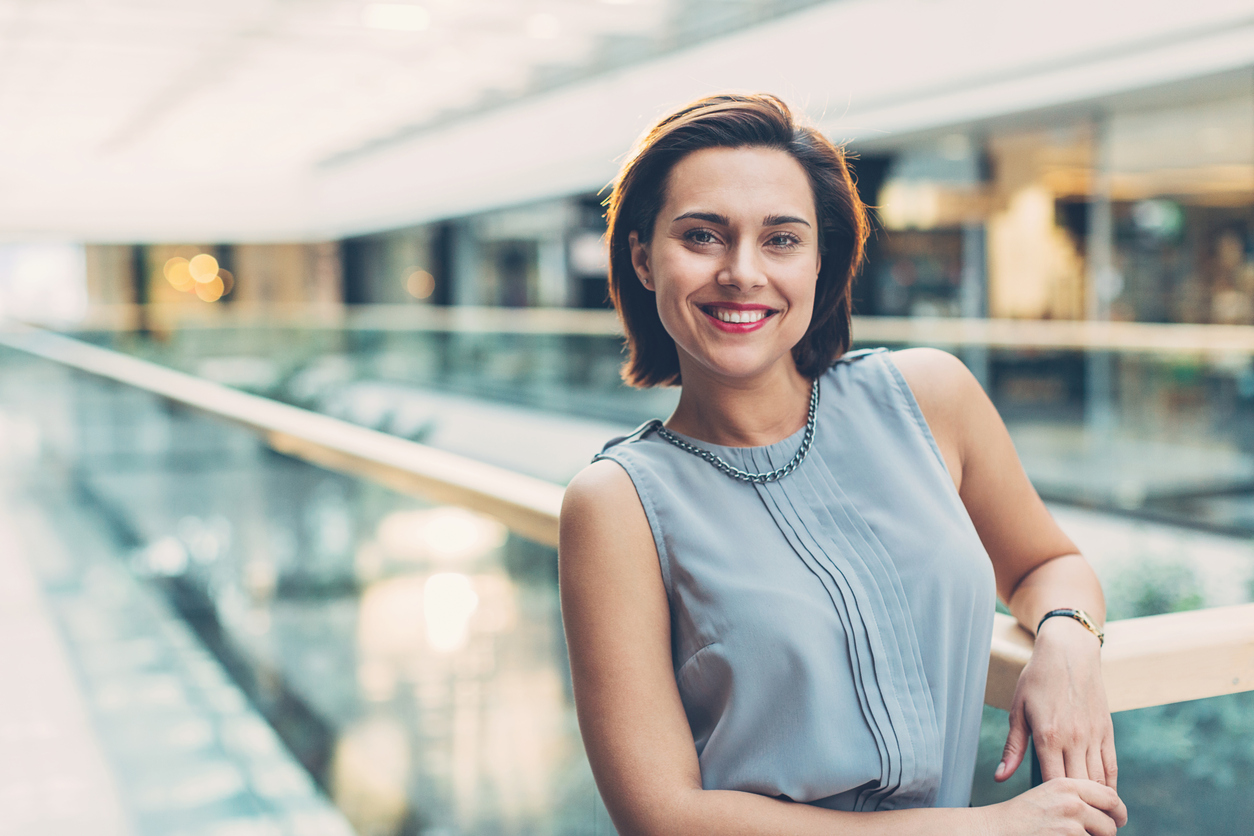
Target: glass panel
x,y
409,656
1168,436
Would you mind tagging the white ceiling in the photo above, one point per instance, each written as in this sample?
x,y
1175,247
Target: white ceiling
x,y
203,94
272,119
265,83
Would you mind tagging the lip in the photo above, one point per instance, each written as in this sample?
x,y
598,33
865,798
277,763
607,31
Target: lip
x,y
737,327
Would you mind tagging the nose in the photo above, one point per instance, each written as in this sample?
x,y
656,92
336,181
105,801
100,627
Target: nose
x,y
743,268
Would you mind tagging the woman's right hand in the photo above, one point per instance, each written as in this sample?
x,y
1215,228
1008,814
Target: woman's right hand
x,y
1061,807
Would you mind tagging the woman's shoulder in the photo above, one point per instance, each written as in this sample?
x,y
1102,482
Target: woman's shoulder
x,y
940,382
949,398
603,521
603,482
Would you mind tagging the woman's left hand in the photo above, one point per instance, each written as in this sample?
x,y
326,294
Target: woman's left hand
x,y
1060,702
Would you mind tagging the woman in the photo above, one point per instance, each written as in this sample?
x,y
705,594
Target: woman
x,y
778,604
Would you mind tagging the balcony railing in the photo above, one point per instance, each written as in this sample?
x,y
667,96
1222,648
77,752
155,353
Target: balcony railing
x,y
1148,661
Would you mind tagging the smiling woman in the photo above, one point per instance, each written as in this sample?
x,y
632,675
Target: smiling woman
x,y
740,237
755,137
779,602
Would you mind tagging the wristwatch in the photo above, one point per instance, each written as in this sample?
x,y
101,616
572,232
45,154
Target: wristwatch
x,y
1080,616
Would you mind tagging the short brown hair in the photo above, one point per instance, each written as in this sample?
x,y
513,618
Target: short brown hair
x,y
733,121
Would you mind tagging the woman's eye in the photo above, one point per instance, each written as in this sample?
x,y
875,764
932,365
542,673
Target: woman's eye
x,y
702,236
783,241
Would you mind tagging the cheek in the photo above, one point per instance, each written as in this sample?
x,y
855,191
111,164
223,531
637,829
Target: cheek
x,y
671,310
675,277
801,303
675,265
802,289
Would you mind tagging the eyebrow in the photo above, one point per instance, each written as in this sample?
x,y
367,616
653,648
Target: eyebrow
x,y
712,217
779,220
722,220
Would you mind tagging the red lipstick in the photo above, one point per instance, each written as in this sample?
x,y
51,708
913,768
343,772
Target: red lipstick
x,y
737,310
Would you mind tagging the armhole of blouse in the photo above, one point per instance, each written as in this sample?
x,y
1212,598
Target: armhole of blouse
x,y
912,406
650,513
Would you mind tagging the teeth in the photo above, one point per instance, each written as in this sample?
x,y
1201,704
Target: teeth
x,y
738,317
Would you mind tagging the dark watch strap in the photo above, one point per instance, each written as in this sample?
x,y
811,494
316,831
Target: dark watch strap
x,y
1080,616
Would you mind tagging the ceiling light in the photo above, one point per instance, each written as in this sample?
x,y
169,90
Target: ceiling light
x,y
399,17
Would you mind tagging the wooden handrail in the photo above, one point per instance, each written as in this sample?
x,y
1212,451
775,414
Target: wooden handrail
x,y
1147,661
525,504
1155,660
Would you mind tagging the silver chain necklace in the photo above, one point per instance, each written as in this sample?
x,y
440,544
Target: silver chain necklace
x,y
744,475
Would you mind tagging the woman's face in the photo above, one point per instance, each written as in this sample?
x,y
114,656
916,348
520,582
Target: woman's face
x,y
733,260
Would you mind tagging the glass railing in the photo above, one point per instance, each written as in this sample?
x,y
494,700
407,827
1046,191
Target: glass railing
x,y
411,654
1155,421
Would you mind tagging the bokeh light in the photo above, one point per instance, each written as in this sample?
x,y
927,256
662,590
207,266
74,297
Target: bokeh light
x,y
420,284
448,602
173,262
444,534
178,273
210,291
204,268
200,275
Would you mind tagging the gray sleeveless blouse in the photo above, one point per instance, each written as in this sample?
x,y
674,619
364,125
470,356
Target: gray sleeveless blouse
x,y
831,630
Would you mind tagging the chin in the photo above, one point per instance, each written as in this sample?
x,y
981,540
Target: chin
x,y
729,365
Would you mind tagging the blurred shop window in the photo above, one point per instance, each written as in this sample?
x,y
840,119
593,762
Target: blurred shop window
x,y
1037,222
588,253
403,266
590,264
932,195
522,255
43,283
1182,191
509,273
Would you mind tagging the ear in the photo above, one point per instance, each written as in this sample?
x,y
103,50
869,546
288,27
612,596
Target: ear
x,y
640,259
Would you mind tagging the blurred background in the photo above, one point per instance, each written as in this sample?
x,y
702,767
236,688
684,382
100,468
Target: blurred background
x,y
253,254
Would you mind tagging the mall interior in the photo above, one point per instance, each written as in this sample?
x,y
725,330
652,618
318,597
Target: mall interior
x,y
304,327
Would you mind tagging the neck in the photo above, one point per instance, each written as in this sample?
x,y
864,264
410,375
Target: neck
x,y
742,412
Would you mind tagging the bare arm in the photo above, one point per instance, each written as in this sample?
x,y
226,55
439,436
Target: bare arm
x,y
635,731
1060,700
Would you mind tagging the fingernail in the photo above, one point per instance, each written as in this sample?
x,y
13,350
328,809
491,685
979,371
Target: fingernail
x,y
1001,767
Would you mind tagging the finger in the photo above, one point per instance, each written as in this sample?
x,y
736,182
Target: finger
x,y
1096,768
1049,753
1110,762
1016,745
1103,798
1097,823
1075,763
